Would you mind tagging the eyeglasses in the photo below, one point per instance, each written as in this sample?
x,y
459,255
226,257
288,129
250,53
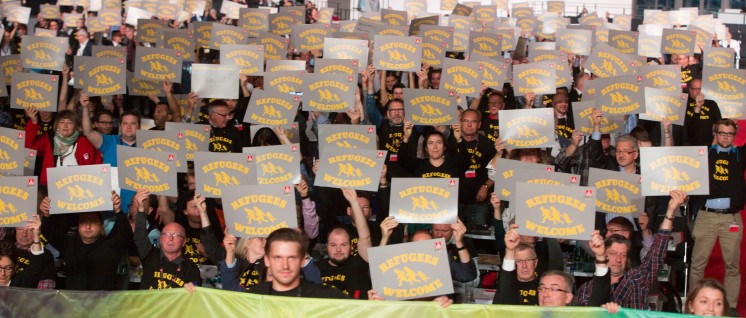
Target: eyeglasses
x,y
394,110
173,235
628,153
552,289
726,134
7,269
524,261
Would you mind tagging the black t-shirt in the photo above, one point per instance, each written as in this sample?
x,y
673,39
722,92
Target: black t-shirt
x,y
190,250
226,139
305,289
160,273
352,277
490,126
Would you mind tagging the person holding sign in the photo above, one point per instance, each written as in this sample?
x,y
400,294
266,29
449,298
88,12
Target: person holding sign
x,y
348,273
701,116
441,160
630,287
460,251
223,137
91,259
164,267
718,217
576,158
64,147
284,254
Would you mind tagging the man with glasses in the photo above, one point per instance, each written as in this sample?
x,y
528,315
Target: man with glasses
x,y
701,115
688,72
474,185
223,137
630,286
718,217
163,267
104,122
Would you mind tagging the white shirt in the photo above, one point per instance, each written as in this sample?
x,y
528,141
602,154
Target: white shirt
x,y
81,48
70,159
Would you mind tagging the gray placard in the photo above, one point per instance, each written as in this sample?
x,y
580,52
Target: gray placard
x,y
666,77
226,34
347,49
606,61
559,58
34,90
248,58
485,43
11,151
510,39
660,103
727,87
678,42
424,201
254,20
536,176
397,276
624,41
539,78
181,41
275,46
285,82
582,111
461,41
18,200
147,169
414,6
505,174
431,106
433,53
357,169
164,141
309,37
394,17
215,81
527,128
555,211
141,87
202,32
279,23
347,136
328,92
196,137
664,169
462,77
718,57
485,14
438,34
101,75
158,64
29,160
496,71
397,53
618,192
276,164
79,189
215,172
147,30
43,53
620,95
271,108
336,66
325,15
110,17
462,10
264,209
110,51
50,11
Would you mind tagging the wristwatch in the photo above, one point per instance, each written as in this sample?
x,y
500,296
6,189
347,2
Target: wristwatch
x,y
606,261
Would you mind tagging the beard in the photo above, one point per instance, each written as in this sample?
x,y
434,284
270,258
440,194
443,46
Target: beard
x,y
339,262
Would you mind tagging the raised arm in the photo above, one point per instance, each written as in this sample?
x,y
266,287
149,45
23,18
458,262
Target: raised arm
x,y
62,103
173,105
308,206
141,233
361,224
93,135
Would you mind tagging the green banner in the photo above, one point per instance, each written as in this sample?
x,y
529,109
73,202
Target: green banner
x,y
18,302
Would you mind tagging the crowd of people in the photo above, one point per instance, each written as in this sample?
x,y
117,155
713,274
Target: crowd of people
x,y
169,238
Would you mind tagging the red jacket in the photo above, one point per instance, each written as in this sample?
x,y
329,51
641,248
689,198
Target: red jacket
x,y
85,152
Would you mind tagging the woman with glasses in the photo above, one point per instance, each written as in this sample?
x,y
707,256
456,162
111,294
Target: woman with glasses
x,y
10,255
65,146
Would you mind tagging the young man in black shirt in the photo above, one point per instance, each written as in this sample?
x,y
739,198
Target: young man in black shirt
x,y
343,270
164,267
284,254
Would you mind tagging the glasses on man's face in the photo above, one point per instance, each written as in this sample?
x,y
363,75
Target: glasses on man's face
x,y
553,289
726,134
626,153
524,261
175,236
7,269
396,110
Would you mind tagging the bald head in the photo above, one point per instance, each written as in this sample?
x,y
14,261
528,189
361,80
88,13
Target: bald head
x,y
173,238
